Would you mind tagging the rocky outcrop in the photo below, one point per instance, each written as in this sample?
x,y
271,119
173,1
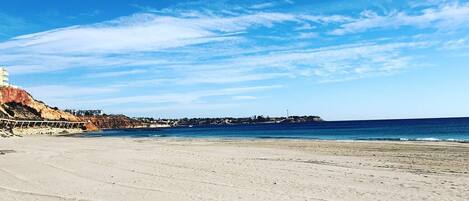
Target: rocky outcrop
x,y
112,121
89,126
18,104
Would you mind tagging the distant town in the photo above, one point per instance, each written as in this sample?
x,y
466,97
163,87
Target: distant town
x,y
228,120
148,122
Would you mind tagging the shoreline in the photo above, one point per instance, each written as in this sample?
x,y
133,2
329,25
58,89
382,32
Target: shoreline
x,y
84,135
116,168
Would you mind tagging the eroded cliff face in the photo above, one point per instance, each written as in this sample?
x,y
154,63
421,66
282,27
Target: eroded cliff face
x,y
19,104
112,121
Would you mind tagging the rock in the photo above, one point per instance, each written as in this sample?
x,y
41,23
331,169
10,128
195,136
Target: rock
x,y
91,127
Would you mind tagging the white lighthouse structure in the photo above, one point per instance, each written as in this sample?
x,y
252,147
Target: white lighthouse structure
x,y
4,77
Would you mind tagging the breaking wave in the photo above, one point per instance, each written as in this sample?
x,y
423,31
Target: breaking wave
x,y
429,139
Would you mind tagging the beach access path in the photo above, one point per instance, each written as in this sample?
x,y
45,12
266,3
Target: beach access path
x,y
67,168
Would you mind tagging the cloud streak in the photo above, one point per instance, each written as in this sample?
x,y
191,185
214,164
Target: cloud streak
x,y
447,16
135,59
141,33
84,96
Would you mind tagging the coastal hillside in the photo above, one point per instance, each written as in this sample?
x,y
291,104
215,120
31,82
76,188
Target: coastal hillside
x,y
17,103
112,121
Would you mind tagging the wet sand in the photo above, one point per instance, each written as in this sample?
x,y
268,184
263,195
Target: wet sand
x,y
65,168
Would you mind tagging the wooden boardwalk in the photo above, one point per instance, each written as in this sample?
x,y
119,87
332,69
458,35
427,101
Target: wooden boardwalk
x,y
12,123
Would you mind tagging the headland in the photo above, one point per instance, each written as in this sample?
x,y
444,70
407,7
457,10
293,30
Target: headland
x,y
21,114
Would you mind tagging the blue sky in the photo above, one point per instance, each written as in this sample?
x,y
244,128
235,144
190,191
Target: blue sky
x,y
337,59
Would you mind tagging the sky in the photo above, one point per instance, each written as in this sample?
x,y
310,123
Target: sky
x,y
339,59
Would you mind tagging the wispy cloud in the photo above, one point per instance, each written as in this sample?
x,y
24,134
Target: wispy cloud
x,y
179,110
329,63
456,44
446,16
343,62
245,97
127,41
68,96
308,35
153,41
263,5
85,97
231,53
140,33
187,97
115,73
271,4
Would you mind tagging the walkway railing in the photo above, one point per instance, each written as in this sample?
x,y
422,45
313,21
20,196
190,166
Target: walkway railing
x,y
13,123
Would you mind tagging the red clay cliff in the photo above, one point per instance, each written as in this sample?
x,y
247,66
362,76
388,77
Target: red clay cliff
x,y
16,103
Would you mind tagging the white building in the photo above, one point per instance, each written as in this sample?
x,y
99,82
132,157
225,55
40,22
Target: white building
x,y
4,77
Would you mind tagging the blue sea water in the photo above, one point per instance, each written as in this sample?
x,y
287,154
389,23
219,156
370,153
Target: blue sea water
x,y
444,129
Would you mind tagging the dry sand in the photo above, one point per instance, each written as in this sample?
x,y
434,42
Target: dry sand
x,y
63,168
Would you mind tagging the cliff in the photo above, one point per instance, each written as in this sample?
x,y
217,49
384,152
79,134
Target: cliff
x,y
112,121
18,104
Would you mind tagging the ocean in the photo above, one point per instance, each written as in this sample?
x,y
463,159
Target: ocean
x,y
442,129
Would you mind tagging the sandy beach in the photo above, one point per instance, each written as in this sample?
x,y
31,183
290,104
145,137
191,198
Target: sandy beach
x,y
66,168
